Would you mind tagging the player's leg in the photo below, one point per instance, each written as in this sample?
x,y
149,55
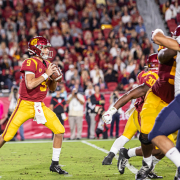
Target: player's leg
x,y
151,108
178,147
21,114
129,131
57,128
167,122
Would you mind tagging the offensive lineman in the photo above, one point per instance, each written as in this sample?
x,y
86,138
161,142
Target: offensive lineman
x,y
132,124
156,100
33,89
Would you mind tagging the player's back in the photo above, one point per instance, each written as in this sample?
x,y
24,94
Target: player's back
x,y
38,93
164,86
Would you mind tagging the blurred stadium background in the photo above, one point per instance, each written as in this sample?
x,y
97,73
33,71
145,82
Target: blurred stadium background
x,y
86,35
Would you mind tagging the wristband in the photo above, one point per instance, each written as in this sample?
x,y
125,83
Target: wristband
x,y
157,31
45,76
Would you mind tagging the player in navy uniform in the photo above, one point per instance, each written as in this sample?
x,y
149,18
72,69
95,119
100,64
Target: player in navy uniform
x,y
168,120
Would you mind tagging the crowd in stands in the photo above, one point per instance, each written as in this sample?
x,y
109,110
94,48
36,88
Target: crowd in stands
x,y
93,41
171,12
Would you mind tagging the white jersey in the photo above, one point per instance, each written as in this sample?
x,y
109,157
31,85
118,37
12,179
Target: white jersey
x,y
177,75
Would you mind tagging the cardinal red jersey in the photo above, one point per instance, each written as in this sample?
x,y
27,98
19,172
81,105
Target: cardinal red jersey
x,y
164,86
38,93
149,78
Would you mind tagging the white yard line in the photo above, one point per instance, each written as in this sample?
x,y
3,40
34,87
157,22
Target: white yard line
x,y
130,167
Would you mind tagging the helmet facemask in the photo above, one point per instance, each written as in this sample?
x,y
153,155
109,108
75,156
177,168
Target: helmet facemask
x,y
42,54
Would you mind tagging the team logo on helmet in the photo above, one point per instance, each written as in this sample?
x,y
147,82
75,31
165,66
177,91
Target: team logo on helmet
x,y
34,42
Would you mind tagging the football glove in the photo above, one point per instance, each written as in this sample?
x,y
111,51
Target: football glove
x,y
107,116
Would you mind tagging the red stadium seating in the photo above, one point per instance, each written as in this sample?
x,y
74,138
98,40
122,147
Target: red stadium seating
x,y
95,33
111,86
106,32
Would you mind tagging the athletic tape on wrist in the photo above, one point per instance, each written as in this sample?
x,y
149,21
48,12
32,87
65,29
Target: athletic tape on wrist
x,y
45,76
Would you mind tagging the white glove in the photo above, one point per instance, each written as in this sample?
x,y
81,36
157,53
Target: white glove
x,y
155,32
107,116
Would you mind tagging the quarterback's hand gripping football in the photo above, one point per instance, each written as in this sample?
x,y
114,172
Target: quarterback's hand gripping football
x,y
107,116
51,69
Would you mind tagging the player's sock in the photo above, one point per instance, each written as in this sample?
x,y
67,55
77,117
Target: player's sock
x,y
174,155
55,156
148,160
132,152
118,143
155,160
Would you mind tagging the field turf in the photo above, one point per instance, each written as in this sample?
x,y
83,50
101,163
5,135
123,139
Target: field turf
x,y
21,161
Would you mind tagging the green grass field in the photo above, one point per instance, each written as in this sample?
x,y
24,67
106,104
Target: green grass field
x,y
32,160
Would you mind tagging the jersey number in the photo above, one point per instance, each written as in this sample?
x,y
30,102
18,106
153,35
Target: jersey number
x,y
44,86
28,62
173,71
151,81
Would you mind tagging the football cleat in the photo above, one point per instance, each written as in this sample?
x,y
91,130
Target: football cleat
x,y
122,160
177,176
144,171
153,175
57,168
108,159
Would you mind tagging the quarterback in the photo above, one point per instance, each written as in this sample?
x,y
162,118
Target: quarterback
x,y
33,89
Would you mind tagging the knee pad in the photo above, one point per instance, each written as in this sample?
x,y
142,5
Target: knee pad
x,y
144,139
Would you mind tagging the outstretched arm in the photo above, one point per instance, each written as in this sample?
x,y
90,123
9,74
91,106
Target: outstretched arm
x,y
159,38
141,90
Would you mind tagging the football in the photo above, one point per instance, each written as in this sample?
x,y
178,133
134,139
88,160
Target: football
x,y
57,76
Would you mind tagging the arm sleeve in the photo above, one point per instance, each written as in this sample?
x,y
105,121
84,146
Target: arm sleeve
x,y
150,80
28,65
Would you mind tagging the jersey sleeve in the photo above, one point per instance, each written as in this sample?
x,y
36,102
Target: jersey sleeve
x,y
150,79
28,65
139,77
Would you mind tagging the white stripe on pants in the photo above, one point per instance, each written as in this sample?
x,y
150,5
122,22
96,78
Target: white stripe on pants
x,y
73,122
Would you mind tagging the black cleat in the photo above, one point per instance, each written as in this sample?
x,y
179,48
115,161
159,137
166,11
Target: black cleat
x,y
122,160
153,175
144,171
57,168
177,176
108,159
